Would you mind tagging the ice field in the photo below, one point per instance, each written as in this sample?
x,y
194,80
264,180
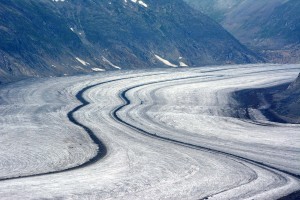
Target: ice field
x,y
155,134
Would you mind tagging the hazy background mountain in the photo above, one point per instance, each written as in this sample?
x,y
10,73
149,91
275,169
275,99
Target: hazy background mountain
x,y
47,37
216,9
271,27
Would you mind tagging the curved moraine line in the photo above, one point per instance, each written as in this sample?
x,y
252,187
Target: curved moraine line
x,y
140,130
102,151
237,158
143,161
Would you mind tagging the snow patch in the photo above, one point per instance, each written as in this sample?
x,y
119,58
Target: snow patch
x,y
82,61
166,62
139,2
143,4
98,69
110,63
182,64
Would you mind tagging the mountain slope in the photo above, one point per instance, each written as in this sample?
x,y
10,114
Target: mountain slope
x,y
287,103
269,26
216,9
67,37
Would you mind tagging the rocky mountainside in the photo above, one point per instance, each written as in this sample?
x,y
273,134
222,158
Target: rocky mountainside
x,y
216,9
280,103
64,37
287,103
271,27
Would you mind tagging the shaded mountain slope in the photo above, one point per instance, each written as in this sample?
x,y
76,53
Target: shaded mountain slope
x,y
44,38
270,27
287,102
279,103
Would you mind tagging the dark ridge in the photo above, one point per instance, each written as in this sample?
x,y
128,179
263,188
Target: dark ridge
x,y
278,103
253,98
293,196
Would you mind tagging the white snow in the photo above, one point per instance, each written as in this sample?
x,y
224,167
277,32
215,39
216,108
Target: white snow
x,y
182,64
140,2
143,4
98,69
110,63
194,106
166,62
82,61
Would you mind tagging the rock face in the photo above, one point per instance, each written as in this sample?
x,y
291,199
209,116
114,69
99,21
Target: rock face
x,y
295,86
279,104
59,37
271,27
216,9
287,103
